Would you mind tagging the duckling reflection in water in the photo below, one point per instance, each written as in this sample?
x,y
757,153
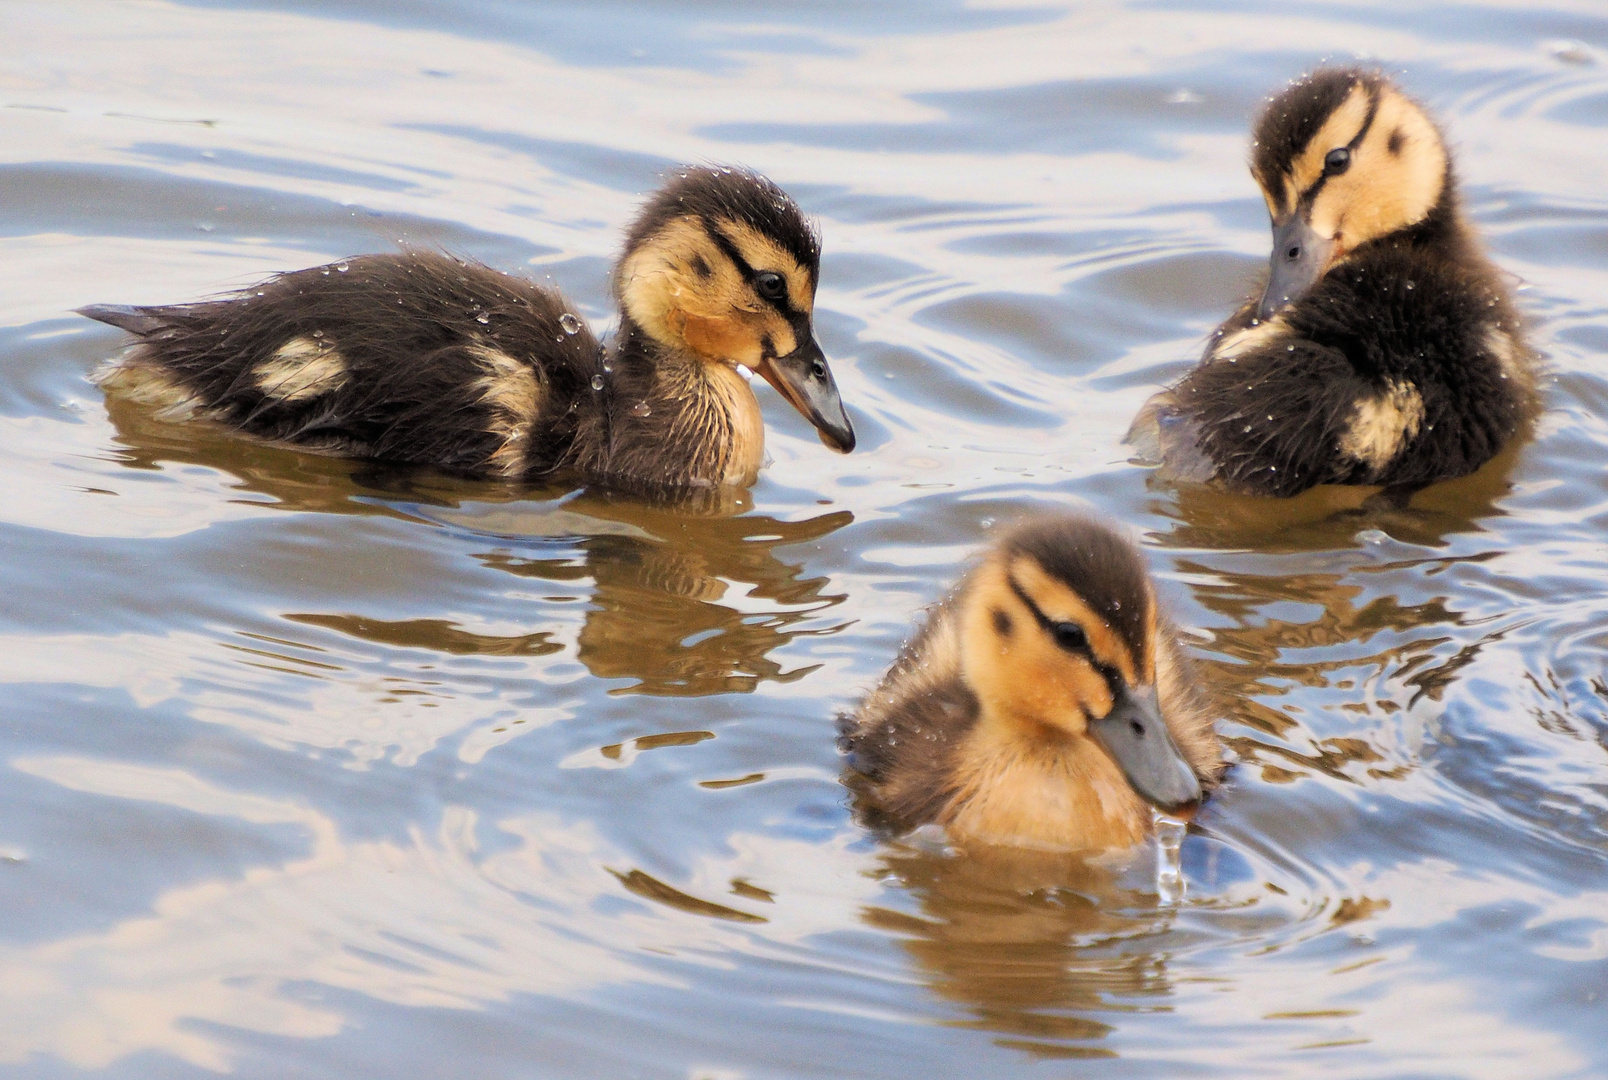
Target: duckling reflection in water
x,y
1385,348
1050,953
1045,704
423,359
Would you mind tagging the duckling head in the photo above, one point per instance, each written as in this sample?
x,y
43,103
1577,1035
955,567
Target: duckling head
x,y
721,265
1342,158
1059,640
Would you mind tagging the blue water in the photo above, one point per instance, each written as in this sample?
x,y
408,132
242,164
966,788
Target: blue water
x,y
306,770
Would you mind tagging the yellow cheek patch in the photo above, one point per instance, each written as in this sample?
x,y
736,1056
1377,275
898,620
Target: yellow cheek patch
x,y
1395,179
684,291
719,338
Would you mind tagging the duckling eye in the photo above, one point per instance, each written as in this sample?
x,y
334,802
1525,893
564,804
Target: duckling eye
x,y
1070,636
770,285
1336,161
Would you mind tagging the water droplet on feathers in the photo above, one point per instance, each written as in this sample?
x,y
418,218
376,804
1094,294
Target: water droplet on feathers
x,y
483,319
597,382
640,409
318,333
342,267
570,323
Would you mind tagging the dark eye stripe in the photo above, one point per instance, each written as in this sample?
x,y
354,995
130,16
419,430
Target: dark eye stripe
x,y
1311,194
1113,678
729,249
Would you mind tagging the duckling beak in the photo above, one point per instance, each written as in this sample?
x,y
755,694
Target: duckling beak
x,y
805,380
1300,258
1136,737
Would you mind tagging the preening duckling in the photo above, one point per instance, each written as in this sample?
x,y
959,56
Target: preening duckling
x,y
421,358
1045,703
1385,348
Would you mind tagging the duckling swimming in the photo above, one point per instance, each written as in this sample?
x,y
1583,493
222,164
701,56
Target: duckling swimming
x,y
1045,703
421,358
1385,348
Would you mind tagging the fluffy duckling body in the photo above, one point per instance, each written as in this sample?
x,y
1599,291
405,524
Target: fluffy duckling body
x,y
1045,703
1385,348
420,358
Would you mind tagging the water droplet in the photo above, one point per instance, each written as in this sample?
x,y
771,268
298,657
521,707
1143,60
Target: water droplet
x,y
570,323
318,333
324,270
640,409
1170,885
1289,348
597,382
987,523
343,267
1409,285
483,319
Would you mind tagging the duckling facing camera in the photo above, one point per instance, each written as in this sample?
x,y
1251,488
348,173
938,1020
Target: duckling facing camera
x,y
1385,348
1046,703
423,359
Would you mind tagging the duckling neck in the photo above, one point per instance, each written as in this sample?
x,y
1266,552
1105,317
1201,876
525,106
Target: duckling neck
x,y
676,418
1443,229
1043,788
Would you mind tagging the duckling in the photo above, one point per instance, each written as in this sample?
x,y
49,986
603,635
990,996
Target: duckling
x,y
421,358
1385,348
1046,703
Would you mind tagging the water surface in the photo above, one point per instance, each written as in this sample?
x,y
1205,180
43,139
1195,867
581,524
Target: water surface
x,y
308,768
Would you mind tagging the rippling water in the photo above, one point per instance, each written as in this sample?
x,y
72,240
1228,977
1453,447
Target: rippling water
x,y
310,770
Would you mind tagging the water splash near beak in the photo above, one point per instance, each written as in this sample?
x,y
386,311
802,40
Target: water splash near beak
x,y
1170,884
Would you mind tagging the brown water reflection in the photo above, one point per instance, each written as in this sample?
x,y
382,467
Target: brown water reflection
x,y
688,594
1328,517
1030,943
689,604
1283,634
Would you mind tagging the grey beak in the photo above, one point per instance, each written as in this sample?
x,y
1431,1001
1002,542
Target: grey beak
x,y
1137,739
1300,256
804,378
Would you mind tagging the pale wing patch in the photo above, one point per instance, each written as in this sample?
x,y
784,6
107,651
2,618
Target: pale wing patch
x,y
1382,424
150,386
1232,346
510,391
302,369
1509,356
1384,191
